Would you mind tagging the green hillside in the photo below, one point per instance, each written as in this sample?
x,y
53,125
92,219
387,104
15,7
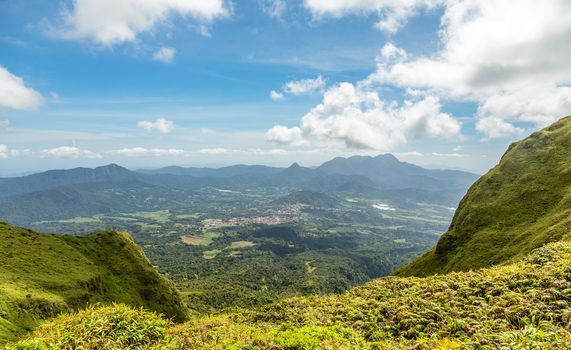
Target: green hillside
x,y
521,204
525,305
42,275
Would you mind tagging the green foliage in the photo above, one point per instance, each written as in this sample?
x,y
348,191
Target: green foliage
x,y
525,305
42,275
521,204
100,328
311,198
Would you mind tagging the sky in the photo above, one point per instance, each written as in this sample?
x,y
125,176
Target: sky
x,y
149,83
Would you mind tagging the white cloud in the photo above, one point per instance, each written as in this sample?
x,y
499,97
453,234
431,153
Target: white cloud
x,y
4,124
276,96
457,148
215,151
409,154
511,58
393,14
68,152
273,8
164,54
358,118
494,128
3,151
304,86
110,22
14,94
299,87
147,152
285,136
162,125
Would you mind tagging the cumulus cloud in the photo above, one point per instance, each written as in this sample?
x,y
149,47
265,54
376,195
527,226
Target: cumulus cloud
x,y
215,151
147,152
161,125
299,87
511,58
14,94
285,136
164,55
304,86
276,96
494,128
111,22
4,123
393,14
358,118
68,152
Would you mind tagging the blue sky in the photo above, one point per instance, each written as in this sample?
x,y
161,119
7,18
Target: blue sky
x,y
154,83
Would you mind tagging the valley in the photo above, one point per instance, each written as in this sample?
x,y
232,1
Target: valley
x,y
250,235
247,247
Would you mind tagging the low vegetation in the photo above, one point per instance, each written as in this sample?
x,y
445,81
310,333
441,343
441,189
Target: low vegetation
x,y
42,275
525,305
521,204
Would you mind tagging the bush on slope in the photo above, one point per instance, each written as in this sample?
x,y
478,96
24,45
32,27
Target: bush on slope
x,y
525,305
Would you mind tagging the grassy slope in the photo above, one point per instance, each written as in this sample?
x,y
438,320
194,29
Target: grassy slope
x,y
521,204
42,275
525,305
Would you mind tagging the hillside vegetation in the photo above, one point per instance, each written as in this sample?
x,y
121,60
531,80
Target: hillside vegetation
x,y
521,204
42,275
525,305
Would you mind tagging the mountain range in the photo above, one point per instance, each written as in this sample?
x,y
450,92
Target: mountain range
x,y
58,194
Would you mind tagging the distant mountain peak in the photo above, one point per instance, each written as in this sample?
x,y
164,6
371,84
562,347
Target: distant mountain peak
x,y
388,156
112,166
295,165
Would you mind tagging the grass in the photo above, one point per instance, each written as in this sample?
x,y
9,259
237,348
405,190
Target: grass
x,y
205,239
81,220
525,305
211,254
193,240
521,204
160,216
241,245
42,275
189,216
